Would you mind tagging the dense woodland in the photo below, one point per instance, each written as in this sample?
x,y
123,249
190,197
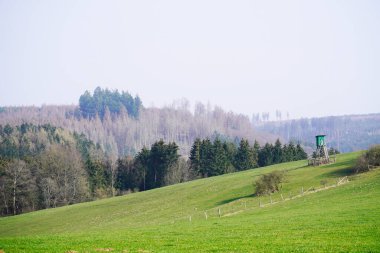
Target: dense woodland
x,y
120,133
44,166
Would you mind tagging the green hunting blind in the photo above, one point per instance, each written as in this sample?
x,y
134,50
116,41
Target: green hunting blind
x,y
321,155
320,139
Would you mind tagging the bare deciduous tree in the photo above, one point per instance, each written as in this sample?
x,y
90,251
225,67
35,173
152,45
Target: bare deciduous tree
x,y
17,174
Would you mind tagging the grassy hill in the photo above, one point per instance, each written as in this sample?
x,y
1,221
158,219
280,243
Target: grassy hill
x,y
173,219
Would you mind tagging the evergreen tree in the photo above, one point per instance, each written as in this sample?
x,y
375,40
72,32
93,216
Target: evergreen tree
x,y
141,164
301,154
285,154
231,151
206,158
195,156
266,155
292,152
256,151
219,159
87,105
97,175
162,156
277,152
129,176
244,158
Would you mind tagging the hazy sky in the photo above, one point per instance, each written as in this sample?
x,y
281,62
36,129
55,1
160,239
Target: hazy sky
x,y
310,58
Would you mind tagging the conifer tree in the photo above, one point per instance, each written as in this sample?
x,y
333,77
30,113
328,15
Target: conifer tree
x,y
141,163
256,150
206,158
292,152
244,158
162,156
231,151
266,155
195,156
301,154
277,152
219,161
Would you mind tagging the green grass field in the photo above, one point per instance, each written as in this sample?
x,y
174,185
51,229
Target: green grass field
x,y
345,218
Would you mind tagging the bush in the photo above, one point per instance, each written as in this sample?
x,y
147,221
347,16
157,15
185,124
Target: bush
x,y
368,160
269,183
333,151
373,156
324,182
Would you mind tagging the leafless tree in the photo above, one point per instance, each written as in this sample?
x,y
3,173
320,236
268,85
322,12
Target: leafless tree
x,y
18,174
120,135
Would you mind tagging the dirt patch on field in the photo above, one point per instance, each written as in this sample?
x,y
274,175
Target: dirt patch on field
x,y
105,249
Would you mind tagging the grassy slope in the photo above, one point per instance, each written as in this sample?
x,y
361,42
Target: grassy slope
x,y
342,219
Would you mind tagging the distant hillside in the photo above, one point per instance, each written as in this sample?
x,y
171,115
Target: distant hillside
x,y
346,133
121,134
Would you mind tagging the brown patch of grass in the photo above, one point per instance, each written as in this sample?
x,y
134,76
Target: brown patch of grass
x,y
104,249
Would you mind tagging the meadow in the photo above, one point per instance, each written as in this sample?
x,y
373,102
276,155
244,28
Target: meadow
x,y
311,213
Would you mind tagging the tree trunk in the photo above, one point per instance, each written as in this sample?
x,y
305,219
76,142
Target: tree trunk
x,y
5,201
14,194
144,179
155,177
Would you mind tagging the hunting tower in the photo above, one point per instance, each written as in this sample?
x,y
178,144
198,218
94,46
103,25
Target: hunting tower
x,y
321,151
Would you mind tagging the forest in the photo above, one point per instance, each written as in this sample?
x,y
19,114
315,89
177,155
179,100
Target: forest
x,y
120,132
42,166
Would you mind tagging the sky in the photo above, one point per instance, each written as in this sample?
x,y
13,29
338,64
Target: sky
x,y
308,58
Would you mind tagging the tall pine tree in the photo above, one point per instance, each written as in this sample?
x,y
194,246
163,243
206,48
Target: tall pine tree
x,y
244,158
195,156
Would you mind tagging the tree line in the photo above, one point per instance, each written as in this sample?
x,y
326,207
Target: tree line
x,y
42,166
161,164
215,158
121,134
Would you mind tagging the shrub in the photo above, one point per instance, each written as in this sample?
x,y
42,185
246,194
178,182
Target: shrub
x,y
333,151
373,156
324,182
269,183
368,160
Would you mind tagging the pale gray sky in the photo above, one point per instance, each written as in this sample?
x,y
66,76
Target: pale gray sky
x,y
311,58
